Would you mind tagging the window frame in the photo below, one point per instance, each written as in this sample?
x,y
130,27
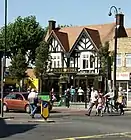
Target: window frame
x,y
119,56
128,56
56,60
87,57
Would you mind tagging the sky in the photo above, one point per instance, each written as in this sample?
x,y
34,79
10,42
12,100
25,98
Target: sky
x,y
67,12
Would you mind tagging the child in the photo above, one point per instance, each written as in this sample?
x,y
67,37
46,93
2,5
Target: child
x,y
100,104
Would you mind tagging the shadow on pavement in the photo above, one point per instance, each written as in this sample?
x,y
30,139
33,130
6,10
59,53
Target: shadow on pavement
x,y
7,130
54,111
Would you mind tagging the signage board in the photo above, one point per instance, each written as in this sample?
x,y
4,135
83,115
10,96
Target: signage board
x,y
122,76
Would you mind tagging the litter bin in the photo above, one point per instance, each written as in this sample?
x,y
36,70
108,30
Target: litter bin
x,y
44,109
45,105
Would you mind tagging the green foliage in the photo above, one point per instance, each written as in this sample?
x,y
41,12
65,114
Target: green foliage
x,y
104,54
18,66
42,59
25,34
62,26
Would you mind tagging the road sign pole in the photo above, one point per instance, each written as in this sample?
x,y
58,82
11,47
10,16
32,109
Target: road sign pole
x,y
2,85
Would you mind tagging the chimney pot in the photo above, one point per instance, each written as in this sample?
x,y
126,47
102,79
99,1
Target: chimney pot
x,y
120,19
52,25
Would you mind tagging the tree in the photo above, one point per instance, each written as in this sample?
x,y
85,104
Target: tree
x,y
62,26
18,66
106,63
25,34
42,62
104,55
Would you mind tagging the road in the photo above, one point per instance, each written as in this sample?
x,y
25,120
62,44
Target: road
x,y
68,124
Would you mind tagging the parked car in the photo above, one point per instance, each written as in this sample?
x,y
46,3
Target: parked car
x,y
16,101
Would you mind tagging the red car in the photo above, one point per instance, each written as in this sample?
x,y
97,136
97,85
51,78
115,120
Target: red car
x,y
16,101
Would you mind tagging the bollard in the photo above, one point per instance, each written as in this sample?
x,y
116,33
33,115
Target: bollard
x,y
45,109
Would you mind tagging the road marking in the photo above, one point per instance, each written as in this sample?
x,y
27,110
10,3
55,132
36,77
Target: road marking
x,y
126,134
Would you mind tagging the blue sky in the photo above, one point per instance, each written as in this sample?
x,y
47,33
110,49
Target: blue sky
x,y
75,12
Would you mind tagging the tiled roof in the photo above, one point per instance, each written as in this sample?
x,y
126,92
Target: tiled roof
x,y
128,30
98,33
63,38
106,31
95,36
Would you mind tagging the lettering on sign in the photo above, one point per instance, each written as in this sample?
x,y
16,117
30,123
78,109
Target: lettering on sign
x,y
59,70
122,76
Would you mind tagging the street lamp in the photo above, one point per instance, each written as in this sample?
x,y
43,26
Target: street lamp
x,y
3,66
115,47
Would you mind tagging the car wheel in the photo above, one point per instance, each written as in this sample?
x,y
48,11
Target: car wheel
x,y
27,109
5,108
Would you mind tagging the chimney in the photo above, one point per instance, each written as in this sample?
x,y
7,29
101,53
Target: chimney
x,y
121,32
120,19
51,25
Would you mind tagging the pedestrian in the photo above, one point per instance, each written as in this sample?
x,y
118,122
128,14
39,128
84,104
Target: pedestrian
x,y
109,103
73,93
80,94
100,104
120,101
93,100
52,96
33,100
67,98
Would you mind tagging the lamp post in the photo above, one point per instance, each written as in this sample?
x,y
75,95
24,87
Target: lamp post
x,y
115,48
3,66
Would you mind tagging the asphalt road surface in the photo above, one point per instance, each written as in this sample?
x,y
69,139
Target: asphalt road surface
x,y
67,126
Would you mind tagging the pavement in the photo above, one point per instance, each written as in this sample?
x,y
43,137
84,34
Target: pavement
x,y
66,124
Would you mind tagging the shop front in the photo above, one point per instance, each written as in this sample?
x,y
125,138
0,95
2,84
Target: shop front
x,y
124,81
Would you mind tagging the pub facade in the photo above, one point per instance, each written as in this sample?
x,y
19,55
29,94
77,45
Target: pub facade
x,y
75,54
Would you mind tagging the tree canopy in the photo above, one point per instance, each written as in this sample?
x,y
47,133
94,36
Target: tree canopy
x,y
25,34
42,58
42,63
104,55
18,66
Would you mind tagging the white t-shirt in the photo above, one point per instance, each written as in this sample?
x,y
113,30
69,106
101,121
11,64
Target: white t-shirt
x,y
110,94
94,95
32,95
80,91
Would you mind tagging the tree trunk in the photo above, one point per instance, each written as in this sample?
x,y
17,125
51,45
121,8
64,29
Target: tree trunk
x,y
19,85
22,84
40,84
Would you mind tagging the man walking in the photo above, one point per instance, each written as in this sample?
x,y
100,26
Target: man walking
x,y
109,101
93,100
33,100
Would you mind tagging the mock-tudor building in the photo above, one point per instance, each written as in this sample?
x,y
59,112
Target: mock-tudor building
x,y
74,52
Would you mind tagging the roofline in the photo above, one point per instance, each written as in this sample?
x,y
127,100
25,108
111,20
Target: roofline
x,y
84,26
52,32
72,48
91,39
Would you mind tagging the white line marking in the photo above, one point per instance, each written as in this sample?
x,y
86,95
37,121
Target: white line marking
x,y
98,136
